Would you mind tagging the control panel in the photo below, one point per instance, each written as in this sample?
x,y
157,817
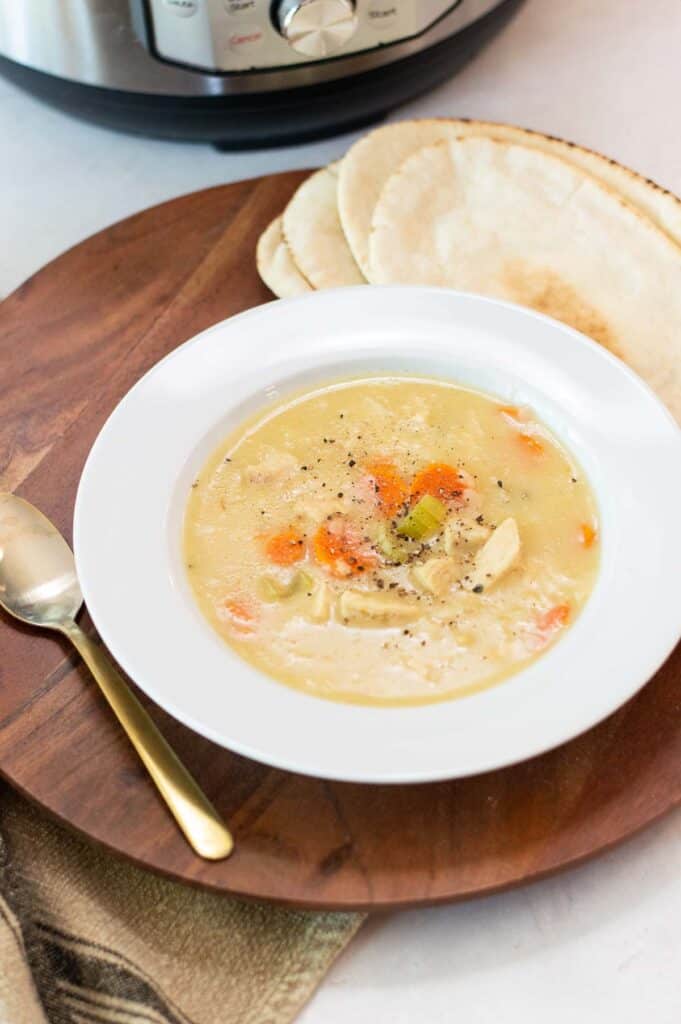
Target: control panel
x,y
241,35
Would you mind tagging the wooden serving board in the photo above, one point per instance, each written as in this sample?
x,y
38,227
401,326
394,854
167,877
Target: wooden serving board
x,y
73,339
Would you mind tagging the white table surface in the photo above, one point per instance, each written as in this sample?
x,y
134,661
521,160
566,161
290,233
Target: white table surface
x,y
601,943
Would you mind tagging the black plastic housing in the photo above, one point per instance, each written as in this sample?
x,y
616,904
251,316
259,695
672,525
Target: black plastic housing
x,y
270,118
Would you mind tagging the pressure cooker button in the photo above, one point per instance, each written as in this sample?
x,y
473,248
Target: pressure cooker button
x,y
245,39
183,8
316,28
239,7
381,15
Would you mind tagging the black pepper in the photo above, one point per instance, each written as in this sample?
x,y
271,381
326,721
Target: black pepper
x,y
478,589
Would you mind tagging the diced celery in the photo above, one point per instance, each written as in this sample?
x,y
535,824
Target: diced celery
x,y
305,581
272,588
393,549
424,519
386,544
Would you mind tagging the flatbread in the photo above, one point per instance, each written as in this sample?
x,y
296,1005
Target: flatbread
x,y
370,162
367,166
515,223
313,231
663,208
275,263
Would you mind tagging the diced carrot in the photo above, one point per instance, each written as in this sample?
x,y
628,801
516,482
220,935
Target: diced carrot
x,y
587,535
390,489
555,618
241,613
339,548
285,548
531,444
441,481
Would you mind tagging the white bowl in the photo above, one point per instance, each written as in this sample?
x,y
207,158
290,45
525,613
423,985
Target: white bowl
x,y
132,496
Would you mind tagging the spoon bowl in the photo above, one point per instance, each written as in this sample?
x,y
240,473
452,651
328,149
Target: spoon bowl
x,y
38,582
39,586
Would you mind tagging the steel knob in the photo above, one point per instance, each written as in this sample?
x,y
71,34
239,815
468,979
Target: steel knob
x,y
317,28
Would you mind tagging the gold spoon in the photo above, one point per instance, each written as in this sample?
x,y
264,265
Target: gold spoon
x,y
38,585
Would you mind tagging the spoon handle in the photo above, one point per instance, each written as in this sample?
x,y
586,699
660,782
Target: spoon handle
x,y
190,807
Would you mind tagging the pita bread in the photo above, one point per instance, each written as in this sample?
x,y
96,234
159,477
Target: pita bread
x,y
367,166
512,222
663,208
370,162
275,263
313,231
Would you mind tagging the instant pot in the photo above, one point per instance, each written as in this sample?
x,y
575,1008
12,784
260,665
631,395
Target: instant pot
x,y
239,73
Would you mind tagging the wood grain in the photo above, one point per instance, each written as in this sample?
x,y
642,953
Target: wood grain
x,y
73,339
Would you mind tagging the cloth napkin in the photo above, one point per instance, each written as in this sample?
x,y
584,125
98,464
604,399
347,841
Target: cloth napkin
x,y
86,938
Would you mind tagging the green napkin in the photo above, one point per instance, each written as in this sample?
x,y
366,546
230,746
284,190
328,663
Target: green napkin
x,y
86,938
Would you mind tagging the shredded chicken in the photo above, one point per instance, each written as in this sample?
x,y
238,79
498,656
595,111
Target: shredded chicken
x,y
496,557
436,575
364,608
321,603
460,533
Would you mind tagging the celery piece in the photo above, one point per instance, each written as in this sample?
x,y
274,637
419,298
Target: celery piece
x,y
272,588
386,545
394,550
305,581
425,518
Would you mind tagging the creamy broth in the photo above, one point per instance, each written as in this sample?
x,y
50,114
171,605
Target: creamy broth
x,y
391,541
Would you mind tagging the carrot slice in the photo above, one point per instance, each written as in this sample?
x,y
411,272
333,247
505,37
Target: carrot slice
x,y
510,410
555,618
285,548
587,535
531,444
241,613
441,481
390,489
340,550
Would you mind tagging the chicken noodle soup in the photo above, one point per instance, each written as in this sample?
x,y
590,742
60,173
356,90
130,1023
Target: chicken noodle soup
x,y
391,540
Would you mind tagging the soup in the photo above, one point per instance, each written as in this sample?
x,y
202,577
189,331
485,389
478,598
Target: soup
x,y
391,540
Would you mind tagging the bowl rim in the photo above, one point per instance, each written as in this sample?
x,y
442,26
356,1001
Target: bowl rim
x,y
288,335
